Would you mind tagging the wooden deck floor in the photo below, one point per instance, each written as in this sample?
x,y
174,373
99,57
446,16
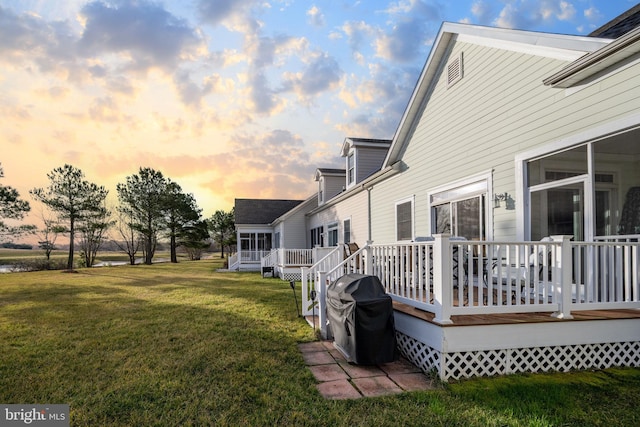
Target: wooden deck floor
x,y
514,318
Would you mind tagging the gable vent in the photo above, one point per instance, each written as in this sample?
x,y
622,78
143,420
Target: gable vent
x,y
454,70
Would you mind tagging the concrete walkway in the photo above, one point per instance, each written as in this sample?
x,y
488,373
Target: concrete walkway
x,y
339,379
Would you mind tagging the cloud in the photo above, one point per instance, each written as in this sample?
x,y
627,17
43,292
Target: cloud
x,y
191,94
235,15
26,37
531,14
316,17
357,33
142,34
321,74
414,22
483,12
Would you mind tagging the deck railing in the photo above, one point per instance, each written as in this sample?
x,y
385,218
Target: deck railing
x,y
455,277
328,258
450,277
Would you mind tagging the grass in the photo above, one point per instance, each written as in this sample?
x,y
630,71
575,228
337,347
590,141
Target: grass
x,y
181,344
10,256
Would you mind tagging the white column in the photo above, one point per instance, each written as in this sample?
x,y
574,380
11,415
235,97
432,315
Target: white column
x,y
442,283
562,277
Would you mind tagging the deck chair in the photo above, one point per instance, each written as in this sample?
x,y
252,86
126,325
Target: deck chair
x,y
523,278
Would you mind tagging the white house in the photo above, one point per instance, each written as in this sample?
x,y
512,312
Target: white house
x,y
527,146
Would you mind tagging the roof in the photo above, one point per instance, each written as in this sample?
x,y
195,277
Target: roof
x,y
594,62
619,25
261,211
309,204
364,142
559,46
329,172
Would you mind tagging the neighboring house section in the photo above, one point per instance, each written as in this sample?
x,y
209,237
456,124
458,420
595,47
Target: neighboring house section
x,y
331,182
254,229
363,158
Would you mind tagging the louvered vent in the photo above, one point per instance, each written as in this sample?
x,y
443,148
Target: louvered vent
x,y
454,70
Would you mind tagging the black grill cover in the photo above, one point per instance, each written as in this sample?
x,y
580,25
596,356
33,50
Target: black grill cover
x,y
360,315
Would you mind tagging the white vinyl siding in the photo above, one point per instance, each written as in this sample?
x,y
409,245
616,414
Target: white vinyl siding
x,y
355,208
494,114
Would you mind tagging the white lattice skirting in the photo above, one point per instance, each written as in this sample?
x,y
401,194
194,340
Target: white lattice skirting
x,y
291,276
508,361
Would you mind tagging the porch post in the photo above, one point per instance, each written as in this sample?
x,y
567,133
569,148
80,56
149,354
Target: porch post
x,y
322,303
442,286
563,273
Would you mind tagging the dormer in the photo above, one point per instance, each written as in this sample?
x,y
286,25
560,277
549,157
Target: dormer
x,y
363,157
330,183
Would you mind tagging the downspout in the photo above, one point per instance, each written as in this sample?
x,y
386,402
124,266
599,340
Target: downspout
x,y
369,237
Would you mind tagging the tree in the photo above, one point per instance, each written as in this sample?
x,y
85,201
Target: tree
x,y
194,239
49,234
73,199
12,207
182,212
130,238
93,230
222,226
142,198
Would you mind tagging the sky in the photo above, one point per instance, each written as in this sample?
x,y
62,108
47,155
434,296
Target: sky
x,y
228,98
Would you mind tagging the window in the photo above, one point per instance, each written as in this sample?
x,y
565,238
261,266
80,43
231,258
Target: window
x,y
346,229
351,169
404,220
321,191
317,237
461,211
332,234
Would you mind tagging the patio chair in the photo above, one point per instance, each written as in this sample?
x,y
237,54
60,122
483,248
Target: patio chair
x,y
523,278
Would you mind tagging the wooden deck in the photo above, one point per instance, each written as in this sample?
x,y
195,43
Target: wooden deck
x,y
516,318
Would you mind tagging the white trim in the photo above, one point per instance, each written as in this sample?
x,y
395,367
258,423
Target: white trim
x,y
519,47
352,152
412,200
598,133
603,74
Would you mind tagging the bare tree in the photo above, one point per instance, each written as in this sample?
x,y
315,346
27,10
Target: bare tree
x,y
93,231
129,241
48,234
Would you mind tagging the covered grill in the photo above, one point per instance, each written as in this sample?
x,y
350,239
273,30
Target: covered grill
x,y
360,316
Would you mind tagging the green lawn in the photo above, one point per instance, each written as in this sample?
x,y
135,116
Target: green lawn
x,y
183,345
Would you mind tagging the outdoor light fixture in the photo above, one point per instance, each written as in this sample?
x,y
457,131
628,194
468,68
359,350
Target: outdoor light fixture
x,y
510,204
498,198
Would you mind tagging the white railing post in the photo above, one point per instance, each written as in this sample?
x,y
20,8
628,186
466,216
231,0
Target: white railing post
x,y
305,289
563,276
442,286
368,258
322,303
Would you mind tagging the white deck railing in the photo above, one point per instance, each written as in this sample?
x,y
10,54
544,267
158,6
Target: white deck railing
x,y
452,277
449,277
328,258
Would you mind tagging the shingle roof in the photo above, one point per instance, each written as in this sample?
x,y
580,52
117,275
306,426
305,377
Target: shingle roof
x,y
261,211
619,25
